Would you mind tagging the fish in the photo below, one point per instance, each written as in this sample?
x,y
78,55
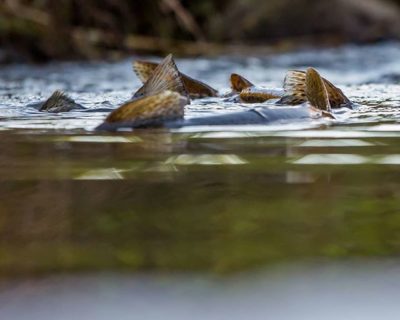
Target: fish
x,y
195,88
166,110
150,111
162,98
57,102
294,87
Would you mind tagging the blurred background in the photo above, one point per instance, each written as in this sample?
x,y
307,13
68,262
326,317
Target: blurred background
x,y
41,30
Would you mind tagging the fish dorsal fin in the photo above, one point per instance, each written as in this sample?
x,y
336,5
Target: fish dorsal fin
x,y
148,111
59,102
144,69
336,96
166,76
316,92
195,88
239,83
294,86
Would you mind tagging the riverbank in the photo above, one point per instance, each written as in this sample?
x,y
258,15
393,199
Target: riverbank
x,y
43,31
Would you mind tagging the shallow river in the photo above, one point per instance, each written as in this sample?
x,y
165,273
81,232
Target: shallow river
x,y
287,221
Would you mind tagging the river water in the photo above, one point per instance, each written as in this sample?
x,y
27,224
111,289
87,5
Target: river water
x,y
287,221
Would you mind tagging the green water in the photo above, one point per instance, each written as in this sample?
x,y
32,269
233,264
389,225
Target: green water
x,y
209,202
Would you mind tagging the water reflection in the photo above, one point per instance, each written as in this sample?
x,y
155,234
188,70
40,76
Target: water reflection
x,y
101,174
169,201
333,159
206,160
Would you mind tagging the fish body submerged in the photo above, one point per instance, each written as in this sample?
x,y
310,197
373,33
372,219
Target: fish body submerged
x,y
254,116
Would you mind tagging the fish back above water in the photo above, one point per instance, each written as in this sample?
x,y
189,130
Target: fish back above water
x,y
147,111
258,95
58,102
195,88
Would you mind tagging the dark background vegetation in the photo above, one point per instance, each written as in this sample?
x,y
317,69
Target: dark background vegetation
x,y
41,30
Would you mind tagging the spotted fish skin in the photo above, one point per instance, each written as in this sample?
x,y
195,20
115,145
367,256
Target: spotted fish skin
x,y
258,95
195,88
144,69
152,111
295,87
316,92
58,102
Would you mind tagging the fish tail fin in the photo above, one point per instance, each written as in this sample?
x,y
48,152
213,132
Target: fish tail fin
x,y
58,102
165,77
239,83
150,111
195,88
294,86
316,91
144,69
